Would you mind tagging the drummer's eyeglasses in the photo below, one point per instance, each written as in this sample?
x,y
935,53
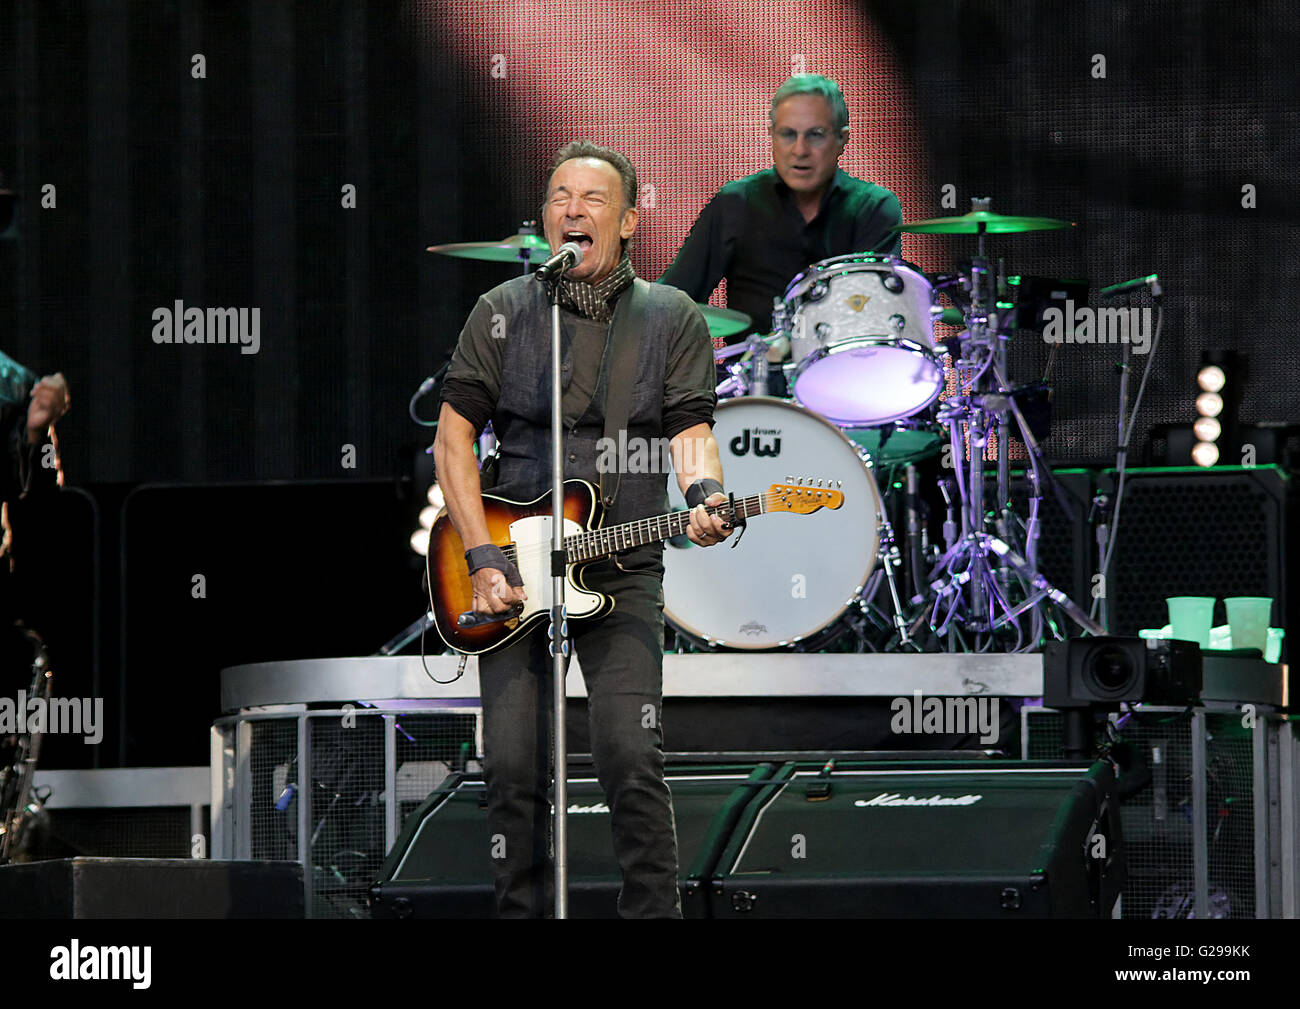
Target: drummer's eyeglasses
x,y
816,137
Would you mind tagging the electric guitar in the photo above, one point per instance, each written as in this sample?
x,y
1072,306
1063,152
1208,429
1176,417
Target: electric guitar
x,y
523,531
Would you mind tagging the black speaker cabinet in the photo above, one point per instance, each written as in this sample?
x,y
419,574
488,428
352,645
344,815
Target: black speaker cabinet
x,y
166,888
962,840
1188,531
440,866
922,839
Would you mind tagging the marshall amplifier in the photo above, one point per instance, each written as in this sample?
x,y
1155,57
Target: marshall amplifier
x,y
441,865
786,839
985,839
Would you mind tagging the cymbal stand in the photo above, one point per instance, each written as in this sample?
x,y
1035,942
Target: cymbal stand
x,y
526,254
971,581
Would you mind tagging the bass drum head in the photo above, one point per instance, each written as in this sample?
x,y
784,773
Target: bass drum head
x,y
792,575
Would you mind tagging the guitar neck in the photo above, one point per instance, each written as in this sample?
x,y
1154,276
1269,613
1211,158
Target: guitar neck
x,y
597,543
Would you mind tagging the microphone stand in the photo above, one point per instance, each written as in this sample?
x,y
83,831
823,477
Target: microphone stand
x,y
559,629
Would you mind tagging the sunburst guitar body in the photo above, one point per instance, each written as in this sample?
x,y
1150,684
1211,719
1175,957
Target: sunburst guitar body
x,y
522,529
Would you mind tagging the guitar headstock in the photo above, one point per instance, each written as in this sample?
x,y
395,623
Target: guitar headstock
x,y
804,495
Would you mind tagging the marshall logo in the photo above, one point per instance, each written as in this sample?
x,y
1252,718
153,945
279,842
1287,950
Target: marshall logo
x,y
857,302
895,799
598,807
740,444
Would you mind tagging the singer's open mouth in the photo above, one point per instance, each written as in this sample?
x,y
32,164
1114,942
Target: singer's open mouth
x,y
583,240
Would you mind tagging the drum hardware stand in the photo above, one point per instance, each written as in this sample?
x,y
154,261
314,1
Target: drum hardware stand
x,y
758,366
892,559
989,403
914,545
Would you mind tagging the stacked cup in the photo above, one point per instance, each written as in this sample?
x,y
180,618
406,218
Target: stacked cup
x,y
1192,617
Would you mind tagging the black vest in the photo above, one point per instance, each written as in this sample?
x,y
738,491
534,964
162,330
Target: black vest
x,y
522,418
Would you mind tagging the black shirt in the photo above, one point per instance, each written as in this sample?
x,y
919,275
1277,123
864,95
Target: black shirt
x,y
474,380
753,234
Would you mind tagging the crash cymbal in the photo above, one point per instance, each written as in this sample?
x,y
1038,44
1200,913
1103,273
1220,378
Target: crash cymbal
x,y
516,248
982,222
724,321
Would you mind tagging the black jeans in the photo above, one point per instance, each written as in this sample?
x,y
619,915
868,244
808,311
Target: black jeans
x,y
622,662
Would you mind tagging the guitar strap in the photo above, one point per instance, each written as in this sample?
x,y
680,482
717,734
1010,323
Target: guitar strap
x,y
625,343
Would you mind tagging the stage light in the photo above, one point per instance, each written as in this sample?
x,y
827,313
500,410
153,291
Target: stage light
x,y
428,515
1209,404
1205,453
1207,429
1218,435
1211,378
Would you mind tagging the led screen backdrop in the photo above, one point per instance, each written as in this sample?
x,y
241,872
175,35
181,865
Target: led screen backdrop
x,y
683,89
1165,129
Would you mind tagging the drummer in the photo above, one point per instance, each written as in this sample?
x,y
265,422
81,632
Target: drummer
x,y
760,231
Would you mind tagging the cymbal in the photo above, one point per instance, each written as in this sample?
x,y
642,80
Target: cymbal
x,y
724,321
516,248
985,221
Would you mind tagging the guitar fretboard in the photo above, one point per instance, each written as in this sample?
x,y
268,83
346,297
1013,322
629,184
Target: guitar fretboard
x,y
596,543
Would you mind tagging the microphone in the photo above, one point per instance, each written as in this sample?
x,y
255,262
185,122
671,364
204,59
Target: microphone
x,y
1151,279
569,256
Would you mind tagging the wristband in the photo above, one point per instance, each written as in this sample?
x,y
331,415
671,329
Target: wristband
x,y
489,555
702,488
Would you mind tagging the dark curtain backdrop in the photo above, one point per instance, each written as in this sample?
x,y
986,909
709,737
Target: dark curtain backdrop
x,y
226,191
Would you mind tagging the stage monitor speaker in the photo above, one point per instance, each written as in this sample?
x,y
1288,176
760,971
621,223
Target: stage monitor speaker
x,y
989,839
441,865
159,888
1217,532
941,839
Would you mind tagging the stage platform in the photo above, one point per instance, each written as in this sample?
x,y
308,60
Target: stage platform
x,y
378,679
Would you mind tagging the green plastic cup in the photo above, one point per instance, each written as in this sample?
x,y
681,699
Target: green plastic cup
x,y
1191,617
1248,620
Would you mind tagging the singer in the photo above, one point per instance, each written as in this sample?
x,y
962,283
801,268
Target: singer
x,y
500,372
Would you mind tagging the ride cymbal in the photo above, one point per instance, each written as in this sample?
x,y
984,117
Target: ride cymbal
x,y
982,222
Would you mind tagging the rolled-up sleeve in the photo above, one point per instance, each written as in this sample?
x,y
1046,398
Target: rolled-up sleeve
x,y
690,379
473,382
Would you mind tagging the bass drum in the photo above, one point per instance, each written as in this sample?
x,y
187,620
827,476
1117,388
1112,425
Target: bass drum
x,y
791,575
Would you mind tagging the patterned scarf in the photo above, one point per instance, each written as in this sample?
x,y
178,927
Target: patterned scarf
x,y
594,301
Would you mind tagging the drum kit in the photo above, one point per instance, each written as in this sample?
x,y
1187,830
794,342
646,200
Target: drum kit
x,y
866,376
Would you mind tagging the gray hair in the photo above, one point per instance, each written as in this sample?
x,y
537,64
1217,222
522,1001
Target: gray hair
x,y
814,84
